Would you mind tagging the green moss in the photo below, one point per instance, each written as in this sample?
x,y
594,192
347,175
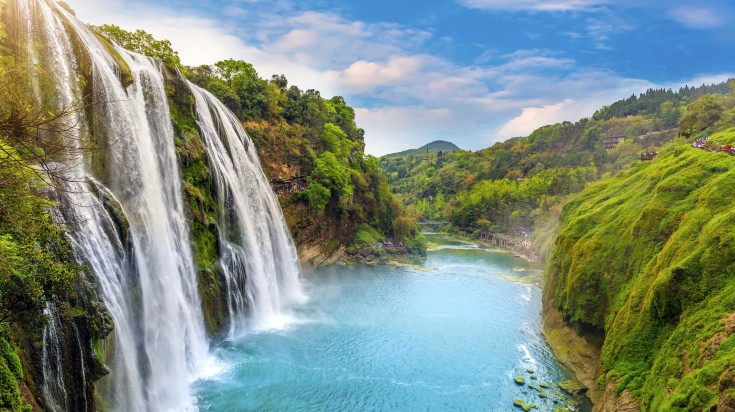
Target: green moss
x,y
366,236
10,373
201,206
214,304
519,380
518,403
648,257
572,387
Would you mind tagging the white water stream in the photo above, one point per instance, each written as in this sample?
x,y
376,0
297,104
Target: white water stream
x,y
147,276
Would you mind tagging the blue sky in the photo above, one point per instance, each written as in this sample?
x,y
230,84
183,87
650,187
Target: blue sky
x,y
470,71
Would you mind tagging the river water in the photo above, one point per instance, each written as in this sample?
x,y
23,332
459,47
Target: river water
x,y
450,334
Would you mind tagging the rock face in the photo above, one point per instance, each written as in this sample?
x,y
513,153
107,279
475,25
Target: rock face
x,y
283,148
320,239
639,287
579,353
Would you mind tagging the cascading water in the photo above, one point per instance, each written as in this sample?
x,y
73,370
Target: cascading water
x,y
160,340
159,337
52,386
145,271
259,257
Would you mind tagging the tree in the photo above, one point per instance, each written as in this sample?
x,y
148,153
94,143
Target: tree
x,y
669,114
317,195
592,136
700,115
142,42
280,81
332,174
229,69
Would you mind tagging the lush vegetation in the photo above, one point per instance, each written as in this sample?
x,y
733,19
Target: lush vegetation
x,y
302,135
37,266
142,42
299,135
655,100
648,258
508,187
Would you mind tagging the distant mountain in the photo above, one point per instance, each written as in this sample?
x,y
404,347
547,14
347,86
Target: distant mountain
x,y
433,147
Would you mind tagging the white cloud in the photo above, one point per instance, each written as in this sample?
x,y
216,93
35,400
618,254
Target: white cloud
x,y
405,96
609,20
364,76
535,5
533,117
698,17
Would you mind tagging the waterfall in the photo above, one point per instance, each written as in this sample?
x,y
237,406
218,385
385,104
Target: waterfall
x,y
52,387
164,343
148,285
130,227
259,257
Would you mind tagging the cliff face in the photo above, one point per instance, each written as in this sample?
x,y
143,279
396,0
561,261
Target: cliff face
x,y
646,260
287,153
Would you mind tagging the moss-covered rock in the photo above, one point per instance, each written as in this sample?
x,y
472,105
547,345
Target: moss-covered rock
x,y
519,380
519,403
11,372
572,387
201,206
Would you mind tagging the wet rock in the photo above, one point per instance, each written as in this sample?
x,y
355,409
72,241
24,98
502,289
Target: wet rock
x,y
573,388
518,403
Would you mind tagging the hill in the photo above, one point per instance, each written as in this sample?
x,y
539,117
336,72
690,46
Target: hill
x,y
520,184
647,260
433,147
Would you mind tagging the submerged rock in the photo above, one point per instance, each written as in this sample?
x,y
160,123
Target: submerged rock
x,y
520,380
518,403
572,387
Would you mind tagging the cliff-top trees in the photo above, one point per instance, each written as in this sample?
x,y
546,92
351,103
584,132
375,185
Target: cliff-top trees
x,y
142,42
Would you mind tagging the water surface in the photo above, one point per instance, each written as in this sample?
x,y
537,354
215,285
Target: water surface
x,y
448,335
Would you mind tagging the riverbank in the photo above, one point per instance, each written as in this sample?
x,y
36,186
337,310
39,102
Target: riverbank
x,y
517,246
580,354
372,256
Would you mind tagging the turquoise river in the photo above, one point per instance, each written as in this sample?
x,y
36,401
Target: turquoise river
x,y
450,334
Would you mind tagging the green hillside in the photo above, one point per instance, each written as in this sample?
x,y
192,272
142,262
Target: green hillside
x,y
648,257
433,147
520,184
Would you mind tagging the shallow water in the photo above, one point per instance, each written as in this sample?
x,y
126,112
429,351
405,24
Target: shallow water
x,y
450,335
